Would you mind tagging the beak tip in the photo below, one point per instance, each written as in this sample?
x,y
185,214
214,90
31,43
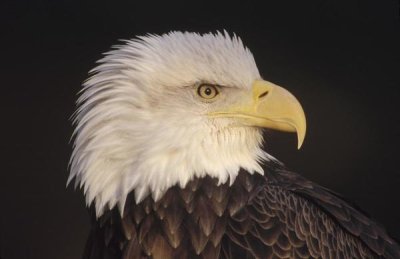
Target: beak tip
x,y
301,134
299,145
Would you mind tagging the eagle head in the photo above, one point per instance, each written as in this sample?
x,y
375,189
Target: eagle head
x,y
160,110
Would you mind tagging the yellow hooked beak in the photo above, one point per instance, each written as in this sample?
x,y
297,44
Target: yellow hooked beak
x,y
270,106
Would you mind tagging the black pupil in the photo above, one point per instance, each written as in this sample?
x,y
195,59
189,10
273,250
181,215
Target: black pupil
x,y
207,91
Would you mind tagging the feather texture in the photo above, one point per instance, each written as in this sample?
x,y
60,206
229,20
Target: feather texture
x,y
279,215
141,127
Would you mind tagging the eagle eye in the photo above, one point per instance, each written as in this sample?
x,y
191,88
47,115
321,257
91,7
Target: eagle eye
x,y
207,91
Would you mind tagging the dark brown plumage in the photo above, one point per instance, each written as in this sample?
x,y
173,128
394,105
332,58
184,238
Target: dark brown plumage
x,y
278,215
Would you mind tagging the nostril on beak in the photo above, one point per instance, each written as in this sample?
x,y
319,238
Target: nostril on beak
x,y
263,94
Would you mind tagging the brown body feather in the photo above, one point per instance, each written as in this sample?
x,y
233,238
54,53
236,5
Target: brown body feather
x,y
279,215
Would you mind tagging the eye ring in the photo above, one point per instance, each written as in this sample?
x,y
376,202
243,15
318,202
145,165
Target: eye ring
x,y
207,91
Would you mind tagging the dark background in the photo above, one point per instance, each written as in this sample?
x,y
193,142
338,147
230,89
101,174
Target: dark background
x,y
340,58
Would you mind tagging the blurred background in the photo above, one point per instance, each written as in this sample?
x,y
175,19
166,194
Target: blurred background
x,y
340,58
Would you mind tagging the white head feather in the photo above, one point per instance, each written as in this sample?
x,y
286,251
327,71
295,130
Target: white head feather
x,y
140,126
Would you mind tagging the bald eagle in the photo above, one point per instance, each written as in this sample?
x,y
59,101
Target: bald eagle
x,y
168,149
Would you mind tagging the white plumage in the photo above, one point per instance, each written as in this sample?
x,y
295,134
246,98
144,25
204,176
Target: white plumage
x,y
141,126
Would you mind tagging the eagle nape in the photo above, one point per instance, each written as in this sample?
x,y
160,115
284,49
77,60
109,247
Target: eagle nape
x,y
168,151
